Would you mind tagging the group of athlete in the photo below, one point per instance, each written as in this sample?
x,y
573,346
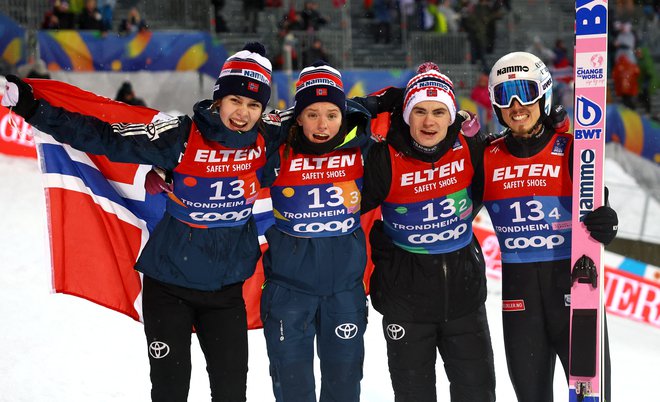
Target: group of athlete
x,y
429,176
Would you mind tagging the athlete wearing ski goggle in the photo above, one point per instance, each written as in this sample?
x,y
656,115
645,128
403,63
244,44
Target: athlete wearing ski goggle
x,y
526,91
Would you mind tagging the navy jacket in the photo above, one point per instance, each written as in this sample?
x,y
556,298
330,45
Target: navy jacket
x,y
176,253
322,265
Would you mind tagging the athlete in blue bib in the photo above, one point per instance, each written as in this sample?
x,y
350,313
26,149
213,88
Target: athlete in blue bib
x,y
528,195
206,244
429,277
316,258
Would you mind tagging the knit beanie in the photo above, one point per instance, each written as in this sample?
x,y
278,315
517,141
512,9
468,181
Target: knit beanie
x,y
246,73
319,83
429,85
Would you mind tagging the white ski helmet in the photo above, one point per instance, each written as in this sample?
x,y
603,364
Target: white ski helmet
x,y
523,76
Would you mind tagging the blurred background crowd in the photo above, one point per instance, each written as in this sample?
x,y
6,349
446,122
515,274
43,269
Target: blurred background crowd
x,y
463,36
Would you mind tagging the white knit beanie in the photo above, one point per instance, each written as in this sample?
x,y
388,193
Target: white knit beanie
x,y
429,85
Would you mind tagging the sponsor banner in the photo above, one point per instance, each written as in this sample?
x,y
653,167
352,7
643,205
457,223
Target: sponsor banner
x,y
491,249
16,138
632,288
12,41
151,50
628,295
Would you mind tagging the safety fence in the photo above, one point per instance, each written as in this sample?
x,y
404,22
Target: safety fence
x,y
449,48
27,13
638,210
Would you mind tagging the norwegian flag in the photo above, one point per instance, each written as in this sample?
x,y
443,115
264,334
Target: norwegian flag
x,y
99,214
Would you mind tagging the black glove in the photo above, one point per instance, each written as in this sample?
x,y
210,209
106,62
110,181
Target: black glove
x,y
558,119
26,105
390,99
488,138
602,223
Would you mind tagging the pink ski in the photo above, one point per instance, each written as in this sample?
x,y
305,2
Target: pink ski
x,y
587,319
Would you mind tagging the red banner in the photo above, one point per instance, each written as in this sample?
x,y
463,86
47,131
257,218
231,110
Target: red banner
x,y
631,296
15,135
626,294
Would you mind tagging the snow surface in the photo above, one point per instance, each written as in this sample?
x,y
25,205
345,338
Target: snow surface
x,y
60,348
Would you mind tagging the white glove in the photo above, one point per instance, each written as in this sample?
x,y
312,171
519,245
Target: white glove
x,y
10,97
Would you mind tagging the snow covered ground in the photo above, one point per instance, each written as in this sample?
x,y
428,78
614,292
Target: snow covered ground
x,y
59,348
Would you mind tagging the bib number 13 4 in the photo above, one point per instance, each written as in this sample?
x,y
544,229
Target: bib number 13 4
x,y
535,211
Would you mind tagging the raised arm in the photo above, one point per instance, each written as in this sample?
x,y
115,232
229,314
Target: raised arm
x,y
158,143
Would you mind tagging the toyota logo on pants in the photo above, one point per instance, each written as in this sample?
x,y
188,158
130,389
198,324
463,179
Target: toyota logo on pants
x,y
158,349
346,331
395,331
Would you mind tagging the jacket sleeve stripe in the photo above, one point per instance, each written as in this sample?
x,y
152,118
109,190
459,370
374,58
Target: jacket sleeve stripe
x,y
151,130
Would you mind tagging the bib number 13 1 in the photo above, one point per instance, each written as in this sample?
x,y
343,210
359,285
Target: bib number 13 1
x,y
235,189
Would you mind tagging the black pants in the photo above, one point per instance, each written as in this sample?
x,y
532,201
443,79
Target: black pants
x,y
465,348
535,319
219,319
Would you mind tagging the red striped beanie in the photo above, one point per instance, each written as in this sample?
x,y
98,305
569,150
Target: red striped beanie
x,y
246,73
429,85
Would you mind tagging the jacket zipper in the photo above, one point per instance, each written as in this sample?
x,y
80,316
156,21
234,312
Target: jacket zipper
x,y
446,285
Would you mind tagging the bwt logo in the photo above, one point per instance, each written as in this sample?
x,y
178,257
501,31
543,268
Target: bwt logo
x,y
429,238
588,114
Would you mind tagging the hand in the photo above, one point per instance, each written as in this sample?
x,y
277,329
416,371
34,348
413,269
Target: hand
x,y
559,119
489,138
602,223
19,97
388,100
470,126
155,182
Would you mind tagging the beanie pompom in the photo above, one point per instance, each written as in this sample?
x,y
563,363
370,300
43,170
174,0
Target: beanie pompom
x,y
255,47
427,66
429,84
319,63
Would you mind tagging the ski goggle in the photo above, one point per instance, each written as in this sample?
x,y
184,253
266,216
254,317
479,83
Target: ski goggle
x,y
526,91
